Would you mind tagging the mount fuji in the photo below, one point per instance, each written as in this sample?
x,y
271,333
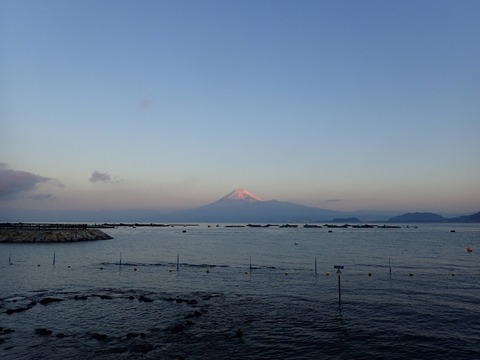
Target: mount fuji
x,y
242,206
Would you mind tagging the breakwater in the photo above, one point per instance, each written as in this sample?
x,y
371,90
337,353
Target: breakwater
x,y
49,233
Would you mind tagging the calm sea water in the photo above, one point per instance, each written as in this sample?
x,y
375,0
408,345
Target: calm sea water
x,y
245,293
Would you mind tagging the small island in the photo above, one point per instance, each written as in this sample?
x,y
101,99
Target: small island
x,y
49,233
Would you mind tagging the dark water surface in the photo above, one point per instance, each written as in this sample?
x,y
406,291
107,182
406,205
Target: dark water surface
x,y
216,307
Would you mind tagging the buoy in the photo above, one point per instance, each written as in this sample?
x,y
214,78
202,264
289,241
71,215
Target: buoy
x,y
469,249
369,274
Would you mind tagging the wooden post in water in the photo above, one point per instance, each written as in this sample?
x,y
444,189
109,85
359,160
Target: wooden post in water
x,y
389,266
315,266
338,267
178,264
250,263
54,258
120,263
10,258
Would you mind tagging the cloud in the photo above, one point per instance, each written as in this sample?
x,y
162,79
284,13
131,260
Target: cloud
x,y
145,103
100,177
42,197
17,181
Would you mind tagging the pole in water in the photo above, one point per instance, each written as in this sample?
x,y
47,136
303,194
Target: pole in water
x,y
389,266
54,258
178,264
338,267
250,263
120,259
10,258
339,289
315,266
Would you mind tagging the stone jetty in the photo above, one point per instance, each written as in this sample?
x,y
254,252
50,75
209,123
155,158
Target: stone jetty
x,y
49,233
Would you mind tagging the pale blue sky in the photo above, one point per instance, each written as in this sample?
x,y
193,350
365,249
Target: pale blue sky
x,y
346,105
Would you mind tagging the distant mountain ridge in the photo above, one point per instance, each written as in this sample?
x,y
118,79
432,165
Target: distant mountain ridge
x,y
242,206
432,217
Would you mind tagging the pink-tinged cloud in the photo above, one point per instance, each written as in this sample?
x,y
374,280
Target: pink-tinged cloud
x,y
17,181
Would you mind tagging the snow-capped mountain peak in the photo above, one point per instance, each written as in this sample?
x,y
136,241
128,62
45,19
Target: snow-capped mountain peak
x,y
242,194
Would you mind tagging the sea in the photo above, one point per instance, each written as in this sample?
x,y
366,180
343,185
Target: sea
x,y
211,291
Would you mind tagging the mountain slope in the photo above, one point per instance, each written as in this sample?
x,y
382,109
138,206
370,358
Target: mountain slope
x,y
418,217
431,217
468,218
243,206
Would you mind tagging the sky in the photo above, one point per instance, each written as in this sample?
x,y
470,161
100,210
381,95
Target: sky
x,y
168,105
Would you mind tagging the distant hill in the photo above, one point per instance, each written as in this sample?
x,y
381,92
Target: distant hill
x,y
242,206
432,218
466,219
418,217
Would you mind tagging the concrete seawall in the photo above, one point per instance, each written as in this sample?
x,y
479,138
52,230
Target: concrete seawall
x,y
51,235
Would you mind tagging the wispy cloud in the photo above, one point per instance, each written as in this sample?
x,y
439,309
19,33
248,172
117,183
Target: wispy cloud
x,y
99,177
18,181
333,200
145,103
42,197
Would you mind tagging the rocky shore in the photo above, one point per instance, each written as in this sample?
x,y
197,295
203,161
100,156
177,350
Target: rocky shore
x,y
17,235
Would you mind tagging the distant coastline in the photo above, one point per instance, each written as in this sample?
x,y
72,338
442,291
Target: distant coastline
x,y
434,218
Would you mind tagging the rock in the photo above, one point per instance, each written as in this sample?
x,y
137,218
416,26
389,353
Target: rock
x,y
49,300
43,332
142,347
80,297
8,331
60,335
134,334
40,235
144,299
238,334
99,337
17,310
178,328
